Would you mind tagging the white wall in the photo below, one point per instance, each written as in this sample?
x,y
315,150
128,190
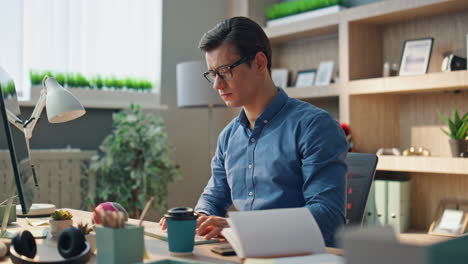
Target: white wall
x,y
184,22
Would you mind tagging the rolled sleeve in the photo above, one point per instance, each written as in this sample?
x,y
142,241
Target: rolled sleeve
x,y
324,150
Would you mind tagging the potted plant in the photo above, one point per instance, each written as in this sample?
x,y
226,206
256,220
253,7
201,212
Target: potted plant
x,y
458,131
135,162
60,220
90,236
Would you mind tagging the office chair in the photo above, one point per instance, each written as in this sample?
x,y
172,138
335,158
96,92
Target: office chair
x,y
361,171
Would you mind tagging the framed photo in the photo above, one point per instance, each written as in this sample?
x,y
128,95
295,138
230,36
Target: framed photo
x,y
451,218
324,73
305,78
280,77
416,56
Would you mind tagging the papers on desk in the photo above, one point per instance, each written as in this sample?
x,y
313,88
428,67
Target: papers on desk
x,y
278,232
310,259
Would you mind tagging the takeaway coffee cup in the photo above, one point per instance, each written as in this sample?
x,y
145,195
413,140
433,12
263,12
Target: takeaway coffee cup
x,y
181,223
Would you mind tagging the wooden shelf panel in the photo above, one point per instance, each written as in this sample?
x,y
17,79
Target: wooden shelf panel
x,y
431,82
101,99
420,238
312,92
317,26
444,165
385,12
395,11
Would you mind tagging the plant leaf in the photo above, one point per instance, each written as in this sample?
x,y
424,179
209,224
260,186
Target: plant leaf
x,y
456,119
447,133
461,134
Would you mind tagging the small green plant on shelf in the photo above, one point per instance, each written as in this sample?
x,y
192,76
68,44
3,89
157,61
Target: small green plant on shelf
x,y
284,9
61,215
458,127
78,80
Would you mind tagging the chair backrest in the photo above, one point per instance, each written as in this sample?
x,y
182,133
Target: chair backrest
x,y
361,171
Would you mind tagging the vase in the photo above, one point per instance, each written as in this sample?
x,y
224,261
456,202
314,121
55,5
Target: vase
x,y
57,226
119,245
458,146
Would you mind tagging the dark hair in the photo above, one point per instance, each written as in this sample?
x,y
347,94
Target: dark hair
x,y
241,32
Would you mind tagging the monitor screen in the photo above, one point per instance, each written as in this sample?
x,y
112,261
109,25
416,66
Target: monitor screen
x,y
13,141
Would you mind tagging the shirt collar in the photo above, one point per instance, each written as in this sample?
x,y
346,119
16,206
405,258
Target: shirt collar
x,y
272,109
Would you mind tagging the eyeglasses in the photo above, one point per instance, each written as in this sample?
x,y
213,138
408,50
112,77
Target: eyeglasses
x,y
225,72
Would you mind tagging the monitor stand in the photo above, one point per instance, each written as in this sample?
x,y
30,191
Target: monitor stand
x,y
36,210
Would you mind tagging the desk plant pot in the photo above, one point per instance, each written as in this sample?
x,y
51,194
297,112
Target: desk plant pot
x,y
119,245
57,226
457,146
12,216
60,220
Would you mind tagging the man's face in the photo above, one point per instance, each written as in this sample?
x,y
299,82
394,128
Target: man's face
x,y
240,90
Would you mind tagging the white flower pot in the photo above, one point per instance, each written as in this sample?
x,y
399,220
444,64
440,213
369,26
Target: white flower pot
x,y
57,226
91,238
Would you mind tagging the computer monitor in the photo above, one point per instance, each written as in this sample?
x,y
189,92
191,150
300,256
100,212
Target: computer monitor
x,y
13,140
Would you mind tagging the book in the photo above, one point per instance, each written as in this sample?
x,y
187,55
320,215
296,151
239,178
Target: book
x,y
274,232
310,259
156,231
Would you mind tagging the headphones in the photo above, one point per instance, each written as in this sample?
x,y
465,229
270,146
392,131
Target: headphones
x,y
72,246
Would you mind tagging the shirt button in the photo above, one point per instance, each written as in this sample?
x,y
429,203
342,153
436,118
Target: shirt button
x,y
250,193
252,140
265,121
250,166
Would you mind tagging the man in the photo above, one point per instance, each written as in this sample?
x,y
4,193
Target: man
x,y
279,152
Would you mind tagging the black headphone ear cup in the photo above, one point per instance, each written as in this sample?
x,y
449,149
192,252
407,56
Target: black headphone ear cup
x,y
71,242
25,244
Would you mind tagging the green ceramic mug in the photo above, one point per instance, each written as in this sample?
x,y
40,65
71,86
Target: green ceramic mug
x,y
181,224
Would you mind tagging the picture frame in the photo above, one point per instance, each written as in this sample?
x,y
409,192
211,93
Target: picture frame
x,y
324,73
305,78
451,218
280,77
415,56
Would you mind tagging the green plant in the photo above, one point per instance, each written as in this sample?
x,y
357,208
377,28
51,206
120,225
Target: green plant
x,y
298,6
135,162
61,215
458,126
84,228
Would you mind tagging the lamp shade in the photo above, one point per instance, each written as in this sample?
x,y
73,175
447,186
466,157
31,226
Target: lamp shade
x,y
192,88
61,105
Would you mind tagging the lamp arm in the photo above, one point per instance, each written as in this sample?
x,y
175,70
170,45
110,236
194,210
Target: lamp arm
x,y
36,114
13,119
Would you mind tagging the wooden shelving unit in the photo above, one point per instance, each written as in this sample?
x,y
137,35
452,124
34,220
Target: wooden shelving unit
x,y
102,99
316,26
432,82
386,112
314,92
443,165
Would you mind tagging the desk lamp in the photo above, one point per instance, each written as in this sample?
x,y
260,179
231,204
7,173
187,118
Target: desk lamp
x,y
193,91
61,106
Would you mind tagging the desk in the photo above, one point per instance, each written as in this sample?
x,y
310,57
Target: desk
x,y
157,249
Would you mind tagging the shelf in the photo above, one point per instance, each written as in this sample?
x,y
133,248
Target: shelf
x,y
420,238
395,11
317,26
101,99
431,82
312,92
444,165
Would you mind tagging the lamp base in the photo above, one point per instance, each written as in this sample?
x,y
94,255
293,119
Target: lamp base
x,y
37,210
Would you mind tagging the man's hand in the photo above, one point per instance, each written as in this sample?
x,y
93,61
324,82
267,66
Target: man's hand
x,y
210,226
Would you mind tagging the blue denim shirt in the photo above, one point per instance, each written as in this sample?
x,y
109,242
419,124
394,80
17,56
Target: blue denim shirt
x,y
293,157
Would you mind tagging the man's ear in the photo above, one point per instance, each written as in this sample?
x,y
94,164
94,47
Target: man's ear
x,y
260,61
